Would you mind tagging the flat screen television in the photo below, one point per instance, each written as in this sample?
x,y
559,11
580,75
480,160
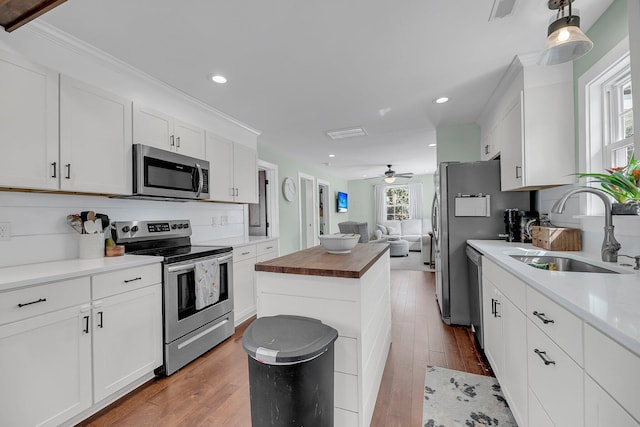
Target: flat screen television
x,y
343,202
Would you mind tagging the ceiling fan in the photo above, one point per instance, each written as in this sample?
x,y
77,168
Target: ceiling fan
x,y
391,175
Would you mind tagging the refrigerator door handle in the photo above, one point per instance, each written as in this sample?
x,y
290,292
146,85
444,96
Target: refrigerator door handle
x,y
434,217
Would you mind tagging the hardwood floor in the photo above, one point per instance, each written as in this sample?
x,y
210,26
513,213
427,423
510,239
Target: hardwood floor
x,y
214,389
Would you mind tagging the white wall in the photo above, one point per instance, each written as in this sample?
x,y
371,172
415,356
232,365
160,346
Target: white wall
x,y
40,232
626,227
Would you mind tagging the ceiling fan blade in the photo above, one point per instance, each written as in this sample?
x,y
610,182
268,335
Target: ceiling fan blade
x,y
404,175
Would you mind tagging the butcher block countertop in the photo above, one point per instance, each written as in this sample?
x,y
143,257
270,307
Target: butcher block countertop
x,y
316,261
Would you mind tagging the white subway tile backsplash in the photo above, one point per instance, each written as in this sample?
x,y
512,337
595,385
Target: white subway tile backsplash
x,y
40,232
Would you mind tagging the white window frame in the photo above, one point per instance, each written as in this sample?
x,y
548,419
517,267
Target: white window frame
x,y
386,206
592,133
614,112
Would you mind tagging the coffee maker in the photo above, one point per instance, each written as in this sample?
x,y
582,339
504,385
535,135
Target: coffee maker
x,y
518,224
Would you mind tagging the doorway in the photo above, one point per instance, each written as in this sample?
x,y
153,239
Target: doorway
x,y
262,217
306,210
324,210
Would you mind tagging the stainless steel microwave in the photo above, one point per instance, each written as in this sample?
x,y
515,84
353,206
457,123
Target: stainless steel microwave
x,y
164,174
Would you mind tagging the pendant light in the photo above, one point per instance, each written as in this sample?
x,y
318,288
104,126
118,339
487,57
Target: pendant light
x,y
390,179
565,40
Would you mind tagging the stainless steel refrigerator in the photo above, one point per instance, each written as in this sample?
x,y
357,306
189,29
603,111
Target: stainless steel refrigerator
x,y
467,205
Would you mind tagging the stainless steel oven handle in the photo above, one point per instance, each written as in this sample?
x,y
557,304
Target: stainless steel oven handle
x,y
191,266
200,180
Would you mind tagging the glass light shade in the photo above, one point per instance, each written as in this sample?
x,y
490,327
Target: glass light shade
x,y
390,180
565,44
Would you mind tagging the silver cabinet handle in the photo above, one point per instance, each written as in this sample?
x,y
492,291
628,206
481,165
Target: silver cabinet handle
x,y
132,280
177,141
518,171
100,324
486,149
68,166
543,356
542,317
172,141
55,172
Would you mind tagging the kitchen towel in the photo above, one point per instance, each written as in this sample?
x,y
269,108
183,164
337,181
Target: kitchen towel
x,y
207,287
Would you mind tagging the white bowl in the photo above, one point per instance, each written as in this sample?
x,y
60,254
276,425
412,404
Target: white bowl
x,y
339,243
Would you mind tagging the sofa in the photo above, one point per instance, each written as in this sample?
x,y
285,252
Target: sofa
x,y
411,230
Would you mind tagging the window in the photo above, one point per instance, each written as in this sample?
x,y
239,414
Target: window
x,y
605,118
397,202
618,119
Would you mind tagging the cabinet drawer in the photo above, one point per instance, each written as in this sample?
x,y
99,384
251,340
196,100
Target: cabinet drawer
x,y
116,282
512,287
615,368
564,328
265,248
601,410
27,302
558,385
244,252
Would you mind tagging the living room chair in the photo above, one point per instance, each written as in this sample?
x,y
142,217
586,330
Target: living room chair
x,y
361,228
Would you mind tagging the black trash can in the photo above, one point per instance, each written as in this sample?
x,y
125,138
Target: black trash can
x,y
290,371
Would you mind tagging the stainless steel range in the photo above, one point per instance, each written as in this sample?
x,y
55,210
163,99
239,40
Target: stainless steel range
x,y
193,324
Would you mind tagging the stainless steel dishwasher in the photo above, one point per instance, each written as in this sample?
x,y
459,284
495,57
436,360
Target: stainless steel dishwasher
x,y
474,269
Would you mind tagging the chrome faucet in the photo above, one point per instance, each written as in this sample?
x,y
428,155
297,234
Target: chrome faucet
x,y
610,245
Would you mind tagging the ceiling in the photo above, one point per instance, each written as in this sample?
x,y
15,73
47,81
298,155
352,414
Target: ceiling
x,y
296,69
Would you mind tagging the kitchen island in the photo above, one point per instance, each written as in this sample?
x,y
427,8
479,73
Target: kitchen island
x,y
351,293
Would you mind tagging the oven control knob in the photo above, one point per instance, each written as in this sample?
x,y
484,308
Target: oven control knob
x,y
125,229
174,226
134,228
179,226
186,225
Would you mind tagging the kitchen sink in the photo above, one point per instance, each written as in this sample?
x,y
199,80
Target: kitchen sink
x,y
561,264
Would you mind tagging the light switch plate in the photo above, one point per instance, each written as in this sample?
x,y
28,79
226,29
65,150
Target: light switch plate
x,y
5,231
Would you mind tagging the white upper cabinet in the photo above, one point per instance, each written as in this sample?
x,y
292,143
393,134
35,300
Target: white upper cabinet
x,y
28,125
233,171
95,139
530,118
162,131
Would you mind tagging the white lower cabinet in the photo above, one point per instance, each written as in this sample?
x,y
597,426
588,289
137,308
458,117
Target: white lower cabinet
x,y
555,369
62,353
555,379
244,288
45,368
505,342
130,321
601,410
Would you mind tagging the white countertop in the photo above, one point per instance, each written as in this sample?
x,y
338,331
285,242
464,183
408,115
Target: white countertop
x,y
237,242
34,274
608,302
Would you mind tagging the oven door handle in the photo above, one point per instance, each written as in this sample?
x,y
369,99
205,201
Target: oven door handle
x,y
186,267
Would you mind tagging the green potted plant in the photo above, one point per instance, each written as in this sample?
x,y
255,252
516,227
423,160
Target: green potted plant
x,y
621,184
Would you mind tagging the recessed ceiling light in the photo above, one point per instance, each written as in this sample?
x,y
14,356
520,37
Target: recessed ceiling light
x,y
441,100
217,78
332,155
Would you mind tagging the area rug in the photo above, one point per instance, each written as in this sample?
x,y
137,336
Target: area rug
x,y
454,398
411,262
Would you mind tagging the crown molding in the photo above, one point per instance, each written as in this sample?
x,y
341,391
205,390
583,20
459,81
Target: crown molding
x,y
67,41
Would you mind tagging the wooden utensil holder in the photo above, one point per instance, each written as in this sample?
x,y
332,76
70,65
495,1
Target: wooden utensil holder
x,y
556,238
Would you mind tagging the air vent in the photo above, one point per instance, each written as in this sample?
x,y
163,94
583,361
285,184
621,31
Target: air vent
x,y
502,9
346,133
